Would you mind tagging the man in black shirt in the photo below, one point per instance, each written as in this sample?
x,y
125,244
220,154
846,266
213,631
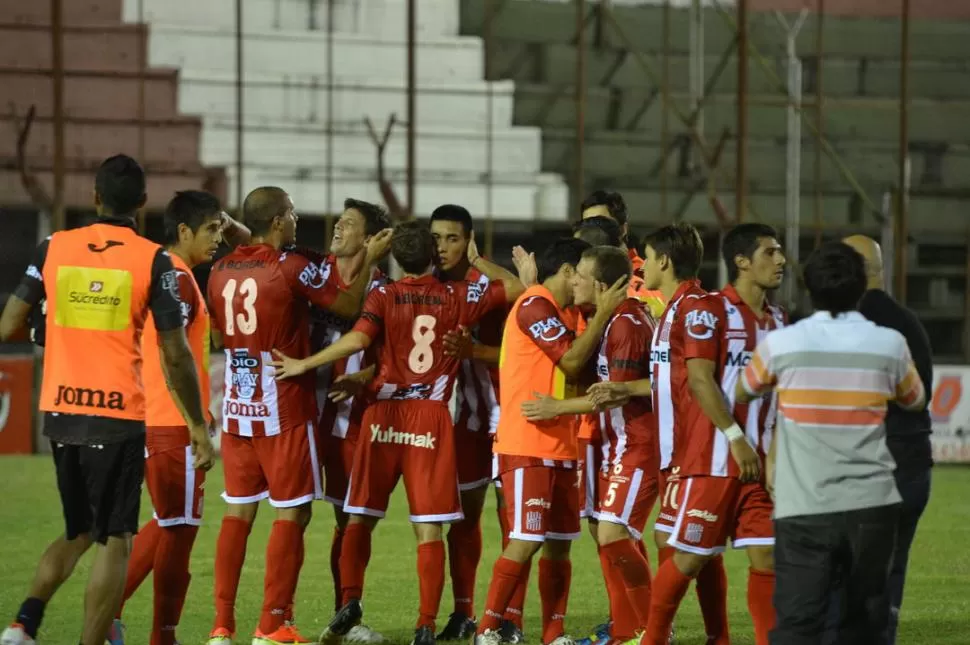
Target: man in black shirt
x,y
908,433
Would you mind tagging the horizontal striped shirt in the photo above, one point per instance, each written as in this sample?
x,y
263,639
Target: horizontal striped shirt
x,y
833,378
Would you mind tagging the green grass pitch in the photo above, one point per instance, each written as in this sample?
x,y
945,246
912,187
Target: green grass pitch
x,y
936,610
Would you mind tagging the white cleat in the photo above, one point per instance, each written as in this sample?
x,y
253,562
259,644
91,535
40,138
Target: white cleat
x,y
363,635
563,640
488,637
15,635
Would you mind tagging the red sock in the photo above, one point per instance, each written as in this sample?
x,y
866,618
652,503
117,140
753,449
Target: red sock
x,y
663,554
555,577
141,560
633,571
712,597
513,612
505,576
431,577
354,556
623,618
464,554
171,581
642,548
761,588
669,588
335,544
282,573
230,556
300,557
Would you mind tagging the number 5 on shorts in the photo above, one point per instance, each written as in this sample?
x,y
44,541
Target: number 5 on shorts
x,y
610,494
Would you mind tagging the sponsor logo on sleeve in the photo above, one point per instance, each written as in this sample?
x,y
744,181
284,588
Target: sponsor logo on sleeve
x,y
34,272
548,330
477,289
700,324
315,276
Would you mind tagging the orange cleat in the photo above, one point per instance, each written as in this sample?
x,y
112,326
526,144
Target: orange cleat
x,y
287,634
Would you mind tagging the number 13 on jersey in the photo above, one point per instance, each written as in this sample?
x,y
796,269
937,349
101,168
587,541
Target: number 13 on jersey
x,y
245,319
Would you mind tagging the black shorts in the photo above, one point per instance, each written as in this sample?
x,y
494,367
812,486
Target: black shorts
x,y
100,487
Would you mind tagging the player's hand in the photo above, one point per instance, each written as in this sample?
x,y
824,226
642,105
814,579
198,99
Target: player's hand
x,y
608,394
347,386
746,459
541,408
287,367
378,246
473,254
213,429
458,342
525,266
608,300
203,452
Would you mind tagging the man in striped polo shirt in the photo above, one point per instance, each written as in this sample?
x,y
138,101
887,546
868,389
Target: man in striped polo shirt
x,y
836,503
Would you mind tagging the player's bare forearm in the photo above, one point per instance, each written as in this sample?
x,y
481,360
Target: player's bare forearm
x,y
584,345
183,380
707,393
639,387
13,321
577,405
349,300
350,343
741,394
486,354
235,232
513,286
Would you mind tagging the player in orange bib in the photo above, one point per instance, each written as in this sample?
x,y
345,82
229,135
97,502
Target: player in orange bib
x,y
537,461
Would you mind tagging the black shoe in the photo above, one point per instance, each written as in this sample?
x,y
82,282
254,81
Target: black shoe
x,y
423,636
345,619
510,633
459,628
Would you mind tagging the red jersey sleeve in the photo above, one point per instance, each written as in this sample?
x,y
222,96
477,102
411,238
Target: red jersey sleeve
x,y
371,321
540,321
703,327
627,350
311,280
479,298
188,297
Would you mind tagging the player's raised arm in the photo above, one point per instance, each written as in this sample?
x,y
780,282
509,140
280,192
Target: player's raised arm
x,y
348,301
513,286
582,348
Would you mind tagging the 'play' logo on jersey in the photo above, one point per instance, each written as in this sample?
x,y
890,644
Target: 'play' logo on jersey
x,y
700,324
390,435
548,330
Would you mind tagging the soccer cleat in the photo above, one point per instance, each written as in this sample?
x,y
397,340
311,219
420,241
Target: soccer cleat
x,y
363,635
423,635
287,634
563,640
15,635
346,619
116,635
220,636
510,634
459,628
602,631
488,637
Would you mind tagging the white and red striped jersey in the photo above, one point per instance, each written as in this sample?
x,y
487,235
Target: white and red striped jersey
x,y
721,328
669,385
260,300
339,419
628,432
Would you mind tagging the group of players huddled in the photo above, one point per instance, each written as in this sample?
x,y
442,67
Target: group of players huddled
x,y
592,381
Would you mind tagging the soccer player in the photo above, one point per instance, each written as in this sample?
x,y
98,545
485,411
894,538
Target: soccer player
x,y
260,298
100,283
628,480
193,231
409,429
340,415
672,259
477,418
537,461
721,493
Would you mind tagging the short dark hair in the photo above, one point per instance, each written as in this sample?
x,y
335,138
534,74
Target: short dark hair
x,y
743,239
120,184
835,276
192,208
262,206
412,246
611,264
454,213
565,250
376,218
599,231
612,200
682,245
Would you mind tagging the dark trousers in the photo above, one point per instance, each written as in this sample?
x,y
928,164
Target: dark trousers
x,y
813,553
914,487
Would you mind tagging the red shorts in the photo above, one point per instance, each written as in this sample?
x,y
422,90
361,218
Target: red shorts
x,y
713,509
626,497
668,490
337,454
176,488
413,440
283,468
542,502
589,464
473,450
